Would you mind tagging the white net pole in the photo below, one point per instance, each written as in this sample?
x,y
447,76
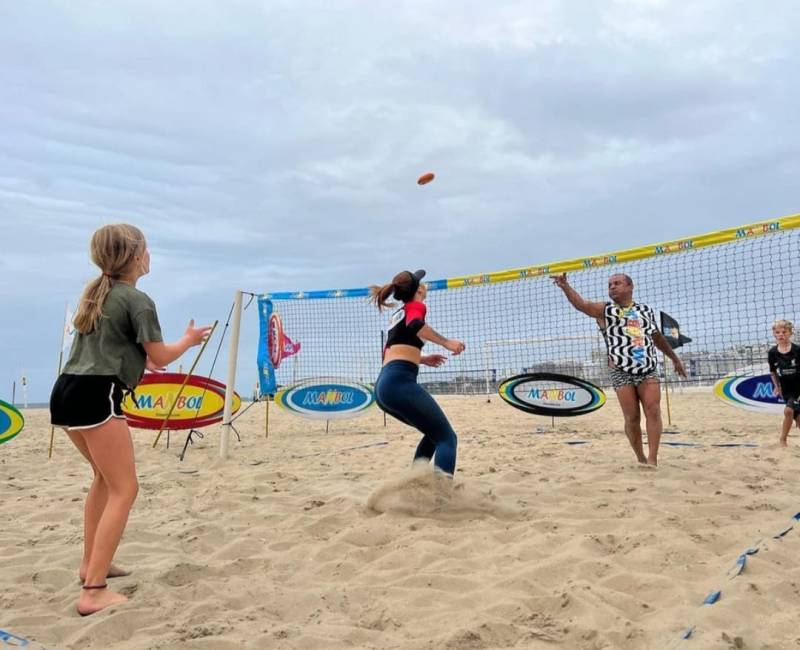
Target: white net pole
x,y
230,384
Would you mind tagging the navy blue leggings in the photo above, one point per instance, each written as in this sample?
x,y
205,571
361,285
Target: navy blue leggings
x,y
398,393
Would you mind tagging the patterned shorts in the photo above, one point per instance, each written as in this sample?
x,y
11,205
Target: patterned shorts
x,y
620,378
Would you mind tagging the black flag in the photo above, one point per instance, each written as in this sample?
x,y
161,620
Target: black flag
x,y
672,331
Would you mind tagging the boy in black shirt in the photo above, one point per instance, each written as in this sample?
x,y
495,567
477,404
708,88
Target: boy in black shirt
x,y
784,366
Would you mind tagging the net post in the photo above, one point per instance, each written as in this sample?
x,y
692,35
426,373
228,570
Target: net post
x,y
230,384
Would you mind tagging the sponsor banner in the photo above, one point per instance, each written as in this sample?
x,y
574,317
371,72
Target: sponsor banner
x,y
324,398
678,246
751,393
266,369
11,421
201,402
362,292
273,345
547,393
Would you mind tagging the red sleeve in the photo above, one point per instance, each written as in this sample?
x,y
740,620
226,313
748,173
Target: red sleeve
x,y
415,311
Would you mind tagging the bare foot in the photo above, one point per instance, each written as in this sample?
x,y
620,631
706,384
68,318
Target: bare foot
x,y
113,572
784,442
652,463
94,600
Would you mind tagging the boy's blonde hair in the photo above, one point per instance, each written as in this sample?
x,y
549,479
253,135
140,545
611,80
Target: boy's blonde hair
x,y
785,324
113,248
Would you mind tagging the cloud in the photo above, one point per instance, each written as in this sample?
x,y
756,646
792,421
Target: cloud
x,y
275,145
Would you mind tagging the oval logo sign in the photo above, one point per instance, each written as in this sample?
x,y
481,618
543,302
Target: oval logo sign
x,y
326,399
11,421
201,403
751,393
275,339
547,393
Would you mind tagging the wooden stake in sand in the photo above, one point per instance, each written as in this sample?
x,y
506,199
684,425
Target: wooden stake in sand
x,y
266,417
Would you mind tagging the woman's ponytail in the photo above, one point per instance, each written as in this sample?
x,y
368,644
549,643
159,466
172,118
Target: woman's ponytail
x,y
379,295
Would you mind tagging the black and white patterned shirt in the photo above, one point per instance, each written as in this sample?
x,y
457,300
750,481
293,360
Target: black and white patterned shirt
x,y
629,337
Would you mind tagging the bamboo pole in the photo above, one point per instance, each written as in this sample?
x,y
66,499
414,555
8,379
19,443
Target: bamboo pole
x,y
183,385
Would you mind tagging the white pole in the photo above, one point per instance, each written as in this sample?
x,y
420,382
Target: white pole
x,y
58,372
230,384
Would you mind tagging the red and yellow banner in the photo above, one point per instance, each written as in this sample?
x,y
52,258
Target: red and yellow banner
x,y
201,402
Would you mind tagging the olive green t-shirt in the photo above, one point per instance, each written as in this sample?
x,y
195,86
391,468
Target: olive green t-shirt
x,y
115,346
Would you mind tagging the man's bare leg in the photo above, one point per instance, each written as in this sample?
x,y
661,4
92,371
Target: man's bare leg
x,y
629,403
649,392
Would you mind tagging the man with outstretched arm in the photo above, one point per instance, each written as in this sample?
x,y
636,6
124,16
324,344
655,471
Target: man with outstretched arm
x,y
632,337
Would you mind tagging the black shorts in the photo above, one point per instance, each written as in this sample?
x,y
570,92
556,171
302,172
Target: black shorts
x,y
86,401
792,402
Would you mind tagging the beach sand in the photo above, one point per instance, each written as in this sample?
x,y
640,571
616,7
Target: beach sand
x,y
308,539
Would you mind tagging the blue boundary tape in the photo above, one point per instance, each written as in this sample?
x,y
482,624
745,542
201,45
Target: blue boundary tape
x,y
736,570
18,642
676,443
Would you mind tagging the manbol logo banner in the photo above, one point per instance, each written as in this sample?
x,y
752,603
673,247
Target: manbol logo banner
x,y
547,393
11,421
201,402
751,393
326,398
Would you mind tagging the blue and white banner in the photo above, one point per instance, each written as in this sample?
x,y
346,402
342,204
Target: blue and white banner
x,y
326,398
266,368
750,393
549,393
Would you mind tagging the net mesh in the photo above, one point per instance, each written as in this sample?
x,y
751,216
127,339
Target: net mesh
x,y
725,297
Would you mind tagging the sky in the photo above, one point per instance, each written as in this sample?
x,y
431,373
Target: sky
x,y
272,146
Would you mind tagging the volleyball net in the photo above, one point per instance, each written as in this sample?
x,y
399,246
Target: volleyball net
x,y
724,289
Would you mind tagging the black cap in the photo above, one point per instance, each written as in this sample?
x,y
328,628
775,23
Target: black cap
x,y
416,276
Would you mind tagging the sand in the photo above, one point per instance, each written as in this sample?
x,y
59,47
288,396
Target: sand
x,y
310,539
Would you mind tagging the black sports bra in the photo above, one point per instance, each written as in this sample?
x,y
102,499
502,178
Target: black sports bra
x,y
404,325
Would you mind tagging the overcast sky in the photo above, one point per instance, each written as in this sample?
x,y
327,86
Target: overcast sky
x,y
271,145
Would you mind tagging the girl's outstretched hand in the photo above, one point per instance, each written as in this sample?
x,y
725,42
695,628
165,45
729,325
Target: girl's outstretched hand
x,y
196,335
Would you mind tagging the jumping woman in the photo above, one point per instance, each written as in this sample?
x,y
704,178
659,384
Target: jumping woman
x,y
396,390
